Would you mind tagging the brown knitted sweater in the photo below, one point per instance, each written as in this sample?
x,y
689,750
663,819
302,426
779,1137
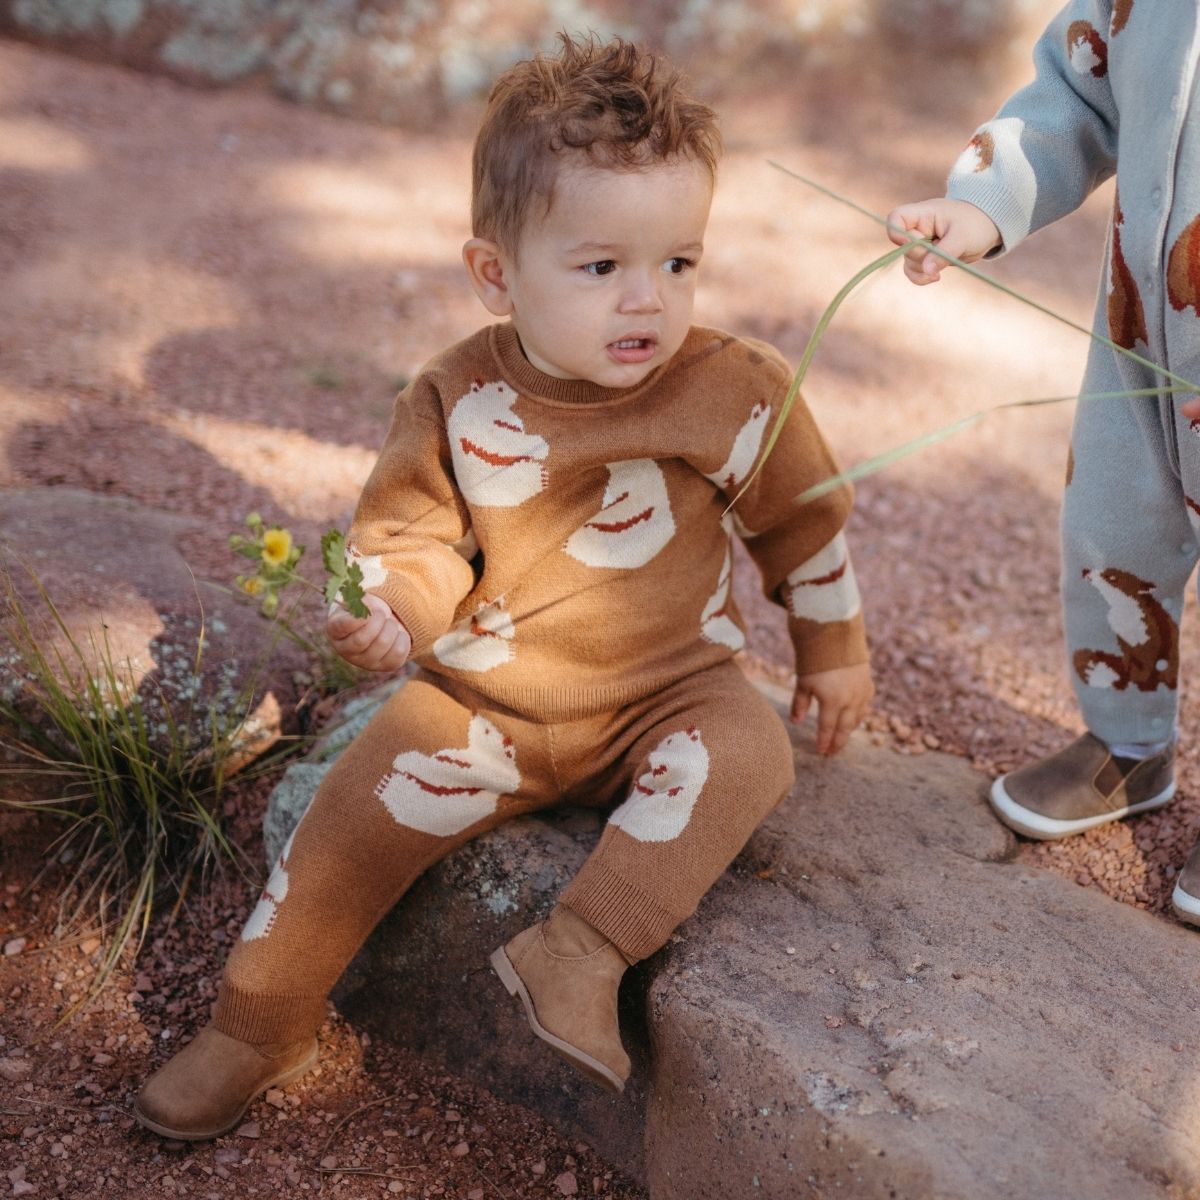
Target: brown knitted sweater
x,y
560,546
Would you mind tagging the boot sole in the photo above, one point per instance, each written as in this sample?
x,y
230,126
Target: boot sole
x,y
1049,829
191,1135
593,1068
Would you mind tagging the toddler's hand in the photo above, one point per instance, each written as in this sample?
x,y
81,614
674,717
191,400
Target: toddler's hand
x,y
375,643
1191,408
843,697
957,227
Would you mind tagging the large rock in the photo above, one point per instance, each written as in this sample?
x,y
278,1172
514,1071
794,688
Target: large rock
x,y
874,1002
114,571
879,1004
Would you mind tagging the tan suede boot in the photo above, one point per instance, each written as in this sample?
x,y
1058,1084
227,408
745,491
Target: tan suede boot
x,y
206,1088
567,974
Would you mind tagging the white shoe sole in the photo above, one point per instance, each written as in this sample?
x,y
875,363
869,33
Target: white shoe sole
x,y
1048,829
593,1068
1186,906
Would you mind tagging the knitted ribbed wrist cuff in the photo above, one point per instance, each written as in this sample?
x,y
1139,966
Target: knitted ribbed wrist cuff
x,y
630,918
260,1018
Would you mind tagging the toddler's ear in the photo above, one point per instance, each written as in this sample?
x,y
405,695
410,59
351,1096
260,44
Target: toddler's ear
x,y
485,268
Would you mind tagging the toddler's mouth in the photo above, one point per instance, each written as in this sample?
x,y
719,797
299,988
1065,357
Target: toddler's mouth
x,y
636,349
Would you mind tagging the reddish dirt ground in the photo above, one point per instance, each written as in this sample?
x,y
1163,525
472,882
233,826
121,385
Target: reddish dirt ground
x,y
208,302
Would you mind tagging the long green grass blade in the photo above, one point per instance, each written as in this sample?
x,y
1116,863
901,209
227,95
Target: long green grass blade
x,y
877,463
806,358
990,280
880,461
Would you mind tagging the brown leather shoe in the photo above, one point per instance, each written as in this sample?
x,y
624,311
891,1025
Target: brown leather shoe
x,y
567,975
206,1088
1082,786
1185,899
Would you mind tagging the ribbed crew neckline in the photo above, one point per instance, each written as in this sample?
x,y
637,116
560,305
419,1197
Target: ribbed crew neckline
x,y
537,385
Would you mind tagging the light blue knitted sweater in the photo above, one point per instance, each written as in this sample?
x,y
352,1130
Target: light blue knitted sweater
x,y
1115,91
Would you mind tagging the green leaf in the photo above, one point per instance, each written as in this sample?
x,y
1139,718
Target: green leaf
x,y
333,552
345,577
352,592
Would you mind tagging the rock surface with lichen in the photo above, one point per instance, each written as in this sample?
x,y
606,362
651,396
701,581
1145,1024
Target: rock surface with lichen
x,y
875,1001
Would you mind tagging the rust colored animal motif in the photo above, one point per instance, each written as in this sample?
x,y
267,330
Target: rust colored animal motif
x,y
1147,637
1126,316
1086,49
1120,16
984,146
1183,269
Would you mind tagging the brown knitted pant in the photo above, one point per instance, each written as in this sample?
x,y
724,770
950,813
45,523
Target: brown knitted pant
x,y
692,770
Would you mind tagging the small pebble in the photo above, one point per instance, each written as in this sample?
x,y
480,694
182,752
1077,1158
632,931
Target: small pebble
x,y
14,1069
461,1149
567,1184
14,946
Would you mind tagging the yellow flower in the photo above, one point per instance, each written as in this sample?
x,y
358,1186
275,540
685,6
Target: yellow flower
x,y
252,585
277,545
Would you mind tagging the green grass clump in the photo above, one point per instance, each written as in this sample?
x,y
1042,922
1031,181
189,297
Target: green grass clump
x,y
135,773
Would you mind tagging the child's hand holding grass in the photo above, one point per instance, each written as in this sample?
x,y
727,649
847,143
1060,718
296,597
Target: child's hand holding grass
x,y
957,227
377,642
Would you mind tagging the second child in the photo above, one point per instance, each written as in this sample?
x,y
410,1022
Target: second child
x,y
1115,93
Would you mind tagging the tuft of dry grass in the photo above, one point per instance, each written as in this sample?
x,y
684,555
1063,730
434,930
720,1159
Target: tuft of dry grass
x,y
135,773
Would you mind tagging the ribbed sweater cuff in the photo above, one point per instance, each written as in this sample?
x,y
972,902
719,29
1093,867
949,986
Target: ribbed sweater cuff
x,y
999,202
413,615
258,1017
838,644
632,920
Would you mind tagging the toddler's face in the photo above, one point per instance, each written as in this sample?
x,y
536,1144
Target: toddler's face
x,y
604,283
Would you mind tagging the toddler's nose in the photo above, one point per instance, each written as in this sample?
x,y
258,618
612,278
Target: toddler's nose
x,y
641,295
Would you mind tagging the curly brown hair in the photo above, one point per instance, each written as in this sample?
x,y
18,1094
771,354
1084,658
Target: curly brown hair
x,y
609,102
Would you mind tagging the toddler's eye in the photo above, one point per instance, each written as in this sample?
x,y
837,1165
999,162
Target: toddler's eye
x,y
677,266
605,266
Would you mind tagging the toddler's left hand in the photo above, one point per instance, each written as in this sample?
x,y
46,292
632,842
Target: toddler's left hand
x,y
843,697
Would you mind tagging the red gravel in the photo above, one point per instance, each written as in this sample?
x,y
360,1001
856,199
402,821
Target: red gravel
x,y
208,302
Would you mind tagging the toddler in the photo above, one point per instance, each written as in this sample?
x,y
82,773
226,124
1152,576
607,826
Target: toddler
x,y
1115,92
545,535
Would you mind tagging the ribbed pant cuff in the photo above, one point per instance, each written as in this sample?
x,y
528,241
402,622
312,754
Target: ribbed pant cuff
x,y
629,917
256,1017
